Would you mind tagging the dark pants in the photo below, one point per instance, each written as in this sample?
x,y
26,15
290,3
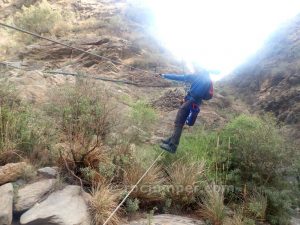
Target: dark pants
x,y
181,117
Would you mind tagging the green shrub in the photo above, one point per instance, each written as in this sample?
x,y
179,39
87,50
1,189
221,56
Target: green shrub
x,y
279,206
24,133
143,115
257,150
247,155
40,18
84,117
132,205
259,157
13,119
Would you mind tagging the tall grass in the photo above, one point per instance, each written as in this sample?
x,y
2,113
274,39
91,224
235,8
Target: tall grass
x,y
185,181
212,207
103,202
148,188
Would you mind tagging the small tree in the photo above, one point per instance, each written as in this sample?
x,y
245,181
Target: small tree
x,y
84,119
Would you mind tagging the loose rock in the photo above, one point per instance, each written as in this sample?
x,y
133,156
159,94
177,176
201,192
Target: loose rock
x,y
33,193
49,172
169,101
6,203
11,172
65,207
167,219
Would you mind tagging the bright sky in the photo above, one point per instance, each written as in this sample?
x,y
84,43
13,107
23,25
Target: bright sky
x,y
218,34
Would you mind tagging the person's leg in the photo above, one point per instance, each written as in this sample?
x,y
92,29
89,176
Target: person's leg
x,y
181,117
171,143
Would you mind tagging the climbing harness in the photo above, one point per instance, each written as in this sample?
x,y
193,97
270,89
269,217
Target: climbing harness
x,y
194,111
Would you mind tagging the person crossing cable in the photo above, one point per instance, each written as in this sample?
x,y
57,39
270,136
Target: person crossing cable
x,y
201,89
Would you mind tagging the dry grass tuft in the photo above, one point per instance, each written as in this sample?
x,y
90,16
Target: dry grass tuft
x,y
257,206
103,202
147,189
235,220
212,207
184,179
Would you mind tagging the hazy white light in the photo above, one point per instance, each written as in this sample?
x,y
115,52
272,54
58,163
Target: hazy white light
x,y
218,34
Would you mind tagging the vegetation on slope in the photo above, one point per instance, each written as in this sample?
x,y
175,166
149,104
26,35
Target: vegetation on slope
x,y
246,167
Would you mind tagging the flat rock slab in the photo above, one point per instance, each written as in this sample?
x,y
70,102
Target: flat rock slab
x,y
33,193
11,172
49,172
167,219
65,207
6,203
295,221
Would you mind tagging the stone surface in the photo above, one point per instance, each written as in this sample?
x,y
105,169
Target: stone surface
x,y
49,172
65,207
295,221
11,172
33,193
6,203
167,219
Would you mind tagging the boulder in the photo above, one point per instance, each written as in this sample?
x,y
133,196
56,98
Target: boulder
x,y
295,221
49,172
6,203
11,172
64,207
33,193
167,219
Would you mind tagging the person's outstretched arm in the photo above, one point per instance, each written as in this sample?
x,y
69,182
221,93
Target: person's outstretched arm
x,y
178,77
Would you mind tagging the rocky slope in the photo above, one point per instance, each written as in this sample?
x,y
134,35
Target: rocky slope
x,y
270,80
98,29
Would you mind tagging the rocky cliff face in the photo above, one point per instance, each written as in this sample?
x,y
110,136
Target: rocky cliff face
x,y
271,79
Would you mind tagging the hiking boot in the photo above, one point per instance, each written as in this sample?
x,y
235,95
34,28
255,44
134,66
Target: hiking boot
x,y
171,148
166,141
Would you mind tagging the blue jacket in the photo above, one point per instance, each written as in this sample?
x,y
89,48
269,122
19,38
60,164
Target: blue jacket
x,y
200,84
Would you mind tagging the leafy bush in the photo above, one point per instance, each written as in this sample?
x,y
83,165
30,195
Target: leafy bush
x,y
132,205
248,152
84,118
260,158
143,115
257,150
22,133
40,18
279,206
